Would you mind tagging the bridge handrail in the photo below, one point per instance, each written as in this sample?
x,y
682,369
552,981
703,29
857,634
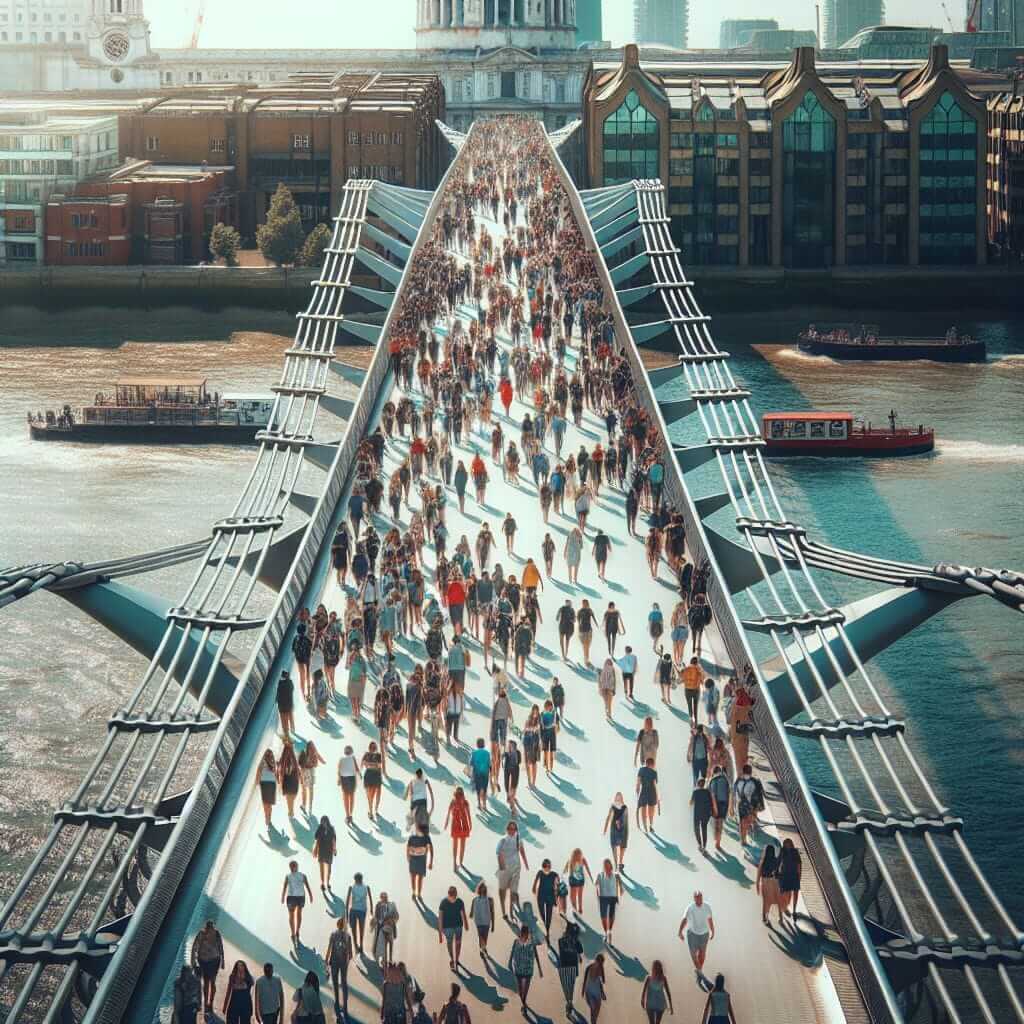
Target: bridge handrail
x,y
875,988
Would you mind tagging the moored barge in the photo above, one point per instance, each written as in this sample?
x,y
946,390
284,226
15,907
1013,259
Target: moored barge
x,y
158,410
863,341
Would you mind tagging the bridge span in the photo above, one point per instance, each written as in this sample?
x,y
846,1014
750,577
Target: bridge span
x,y
895,920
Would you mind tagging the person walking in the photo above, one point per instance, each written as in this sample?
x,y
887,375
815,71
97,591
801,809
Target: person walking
x,y
268,997
573,552
545,889
585,619
308,1008
609,889
510,852
577,870
570,953
698,752
549,726
419,852
286,704
289,775
460,820
325,849
664,676
791,869
606,684
593,987
187,993
480,770
680,631
309,760
451,921
601,550
721,798
294,889
521,961
718,1009
453,1012
266,779
481,910
698,929
348,776
385,930
501,720
699,618
566,620
648,803
700,801
420,795
627,665
693,677
745,791
207,958
656,995
237,1005
511,760
655,625
337,957
768,881
616,827
646,748
613,627
531,745
374,768
357,903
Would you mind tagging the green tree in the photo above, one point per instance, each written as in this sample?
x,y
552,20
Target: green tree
x,y
224,244
313,250
280,238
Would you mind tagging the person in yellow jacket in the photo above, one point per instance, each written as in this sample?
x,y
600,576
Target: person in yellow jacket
x,y
531,576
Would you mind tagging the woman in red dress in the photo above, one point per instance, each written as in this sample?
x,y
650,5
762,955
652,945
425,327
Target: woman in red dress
x,y
460,818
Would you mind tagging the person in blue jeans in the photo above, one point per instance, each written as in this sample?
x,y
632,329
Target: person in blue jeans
x,y
480,768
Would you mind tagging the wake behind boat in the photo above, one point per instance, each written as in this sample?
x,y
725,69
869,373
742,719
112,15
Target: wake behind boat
x,y
864,341
159,410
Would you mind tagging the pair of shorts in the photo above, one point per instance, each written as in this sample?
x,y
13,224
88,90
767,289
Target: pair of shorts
x,y
453,933
455,613
348,783
268,793
499,730
627,678
547,740
208,969
697,943
356,917
608,905
482,931
418,866
481,781
296,902
457,676
508,878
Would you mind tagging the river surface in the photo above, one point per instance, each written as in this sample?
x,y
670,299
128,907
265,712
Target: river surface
x,y
959,678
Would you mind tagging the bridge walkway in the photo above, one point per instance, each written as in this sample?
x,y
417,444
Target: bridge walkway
x,y
775,974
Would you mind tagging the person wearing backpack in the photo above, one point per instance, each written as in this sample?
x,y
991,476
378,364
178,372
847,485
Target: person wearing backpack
x,y
454,1011
664,672
721,794
746,798
697,754
337,957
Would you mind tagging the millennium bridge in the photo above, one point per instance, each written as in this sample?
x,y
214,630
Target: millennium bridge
x,y
896,920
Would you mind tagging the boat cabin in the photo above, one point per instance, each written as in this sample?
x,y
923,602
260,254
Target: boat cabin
x,y
807,426
161,391
247,407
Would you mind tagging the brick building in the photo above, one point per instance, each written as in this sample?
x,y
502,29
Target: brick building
x,y
140,213
1005,206
312,134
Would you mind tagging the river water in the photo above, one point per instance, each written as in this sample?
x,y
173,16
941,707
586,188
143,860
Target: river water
x,y
959,678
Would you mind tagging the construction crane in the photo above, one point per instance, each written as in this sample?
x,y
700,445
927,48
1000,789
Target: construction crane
x,y
197,25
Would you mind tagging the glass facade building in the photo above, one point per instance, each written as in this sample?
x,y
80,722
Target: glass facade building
x,y
632,143
809,183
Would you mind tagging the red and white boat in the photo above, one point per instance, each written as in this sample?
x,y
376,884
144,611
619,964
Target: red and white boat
x,y
837,433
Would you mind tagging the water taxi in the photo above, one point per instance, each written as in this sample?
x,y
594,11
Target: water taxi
x,y
864,341
837,433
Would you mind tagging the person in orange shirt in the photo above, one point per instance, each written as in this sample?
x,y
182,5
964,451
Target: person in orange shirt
x,y
532,576
692,680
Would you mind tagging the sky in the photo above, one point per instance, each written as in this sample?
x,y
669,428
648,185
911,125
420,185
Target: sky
x,y
389,23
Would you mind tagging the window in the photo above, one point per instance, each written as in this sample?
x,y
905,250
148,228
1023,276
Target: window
x,y
508,85
949,139
809,142
682,140
300,142
353,138
396,138
218,145
680,165
21,251
631,142
731,141
152,143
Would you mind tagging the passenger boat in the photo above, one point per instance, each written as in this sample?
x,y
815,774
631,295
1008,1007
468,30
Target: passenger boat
x,y
836,433
159,410
864,341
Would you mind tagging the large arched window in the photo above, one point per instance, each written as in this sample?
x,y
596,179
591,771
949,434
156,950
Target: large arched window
x,y
631,144
949,139
809,172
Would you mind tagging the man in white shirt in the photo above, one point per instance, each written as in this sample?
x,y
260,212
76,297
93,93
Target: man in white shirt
x,y
699,928
269,995
510,851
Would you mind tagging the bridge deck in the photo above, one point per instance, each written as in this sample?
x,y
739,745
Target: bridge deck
x,y
775,975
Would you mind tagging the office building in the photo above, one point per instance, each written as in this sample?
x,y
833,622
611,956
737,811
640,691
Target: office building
x,y
998,16
734,32
665,22
779,40
798,165
1006,177
843,19
40,154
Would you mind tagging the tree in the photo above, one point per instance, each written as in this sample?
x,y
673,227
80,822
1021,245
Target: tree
x,y
313,250
224,244
280,238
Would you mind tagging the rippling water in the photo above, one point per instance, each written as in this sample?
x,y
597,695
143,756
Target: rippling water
x,y
959,678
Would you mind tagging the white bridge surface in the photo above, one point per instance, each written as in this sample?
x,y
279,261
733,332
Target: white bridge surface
x,y
776,976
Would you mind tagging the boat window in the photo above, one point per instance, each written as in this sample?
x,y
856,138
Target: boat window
x,y
818,429
837,429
